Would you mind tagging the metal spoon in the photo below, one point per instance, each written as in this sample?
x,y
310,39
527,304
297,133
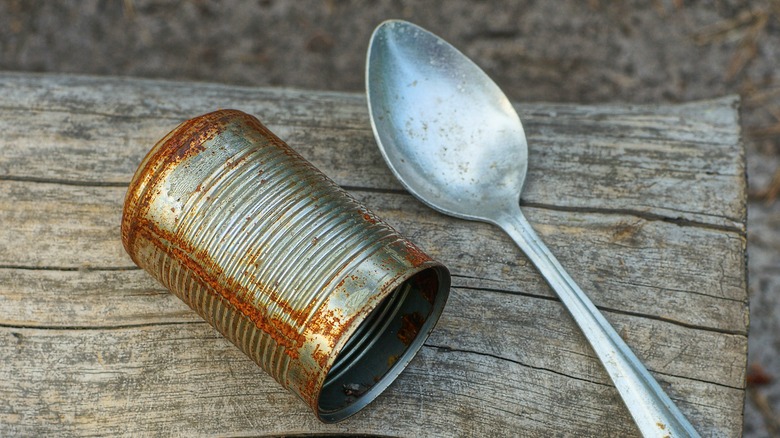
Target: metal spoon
x,y
454,141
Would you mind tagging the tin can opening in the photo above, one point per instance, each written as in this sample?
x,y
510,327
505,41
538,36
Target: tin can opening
x,y
383,344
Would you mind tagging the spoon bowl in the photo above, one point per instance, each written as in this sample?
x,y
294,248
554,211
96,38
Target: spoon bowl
x,y
452,138
422,98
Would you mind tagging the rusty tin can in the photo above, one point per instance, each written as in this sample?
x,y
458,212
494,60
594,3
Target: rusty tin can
x,y
317,290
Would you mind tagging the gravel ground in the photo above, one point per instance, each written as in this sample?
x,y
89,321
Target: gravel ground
x,y
566,51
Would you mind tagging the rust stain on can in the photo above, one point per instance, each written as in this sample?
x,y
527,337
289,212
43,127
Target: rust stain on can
x,y
311,285
410,327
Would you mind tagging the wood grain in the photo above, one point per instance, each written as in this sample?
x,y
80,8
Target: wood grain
x,y
644,205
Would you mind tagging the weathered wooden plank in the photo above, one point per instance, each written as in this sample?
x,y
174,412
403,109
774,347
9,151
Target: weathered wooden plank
x,y
60,226
685,274
478,321
481,312
186,379
82,298
644,205
636,159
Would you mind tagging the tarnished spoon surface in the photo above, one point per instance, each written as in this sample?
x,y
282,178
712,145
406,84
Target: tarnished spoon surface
x,y
453,139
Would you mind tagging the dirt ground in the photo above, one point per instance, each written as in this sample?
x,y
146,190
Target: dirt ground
x,y
566,51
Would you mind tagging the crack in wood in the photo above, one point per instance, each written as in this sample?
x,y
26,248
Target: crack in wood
x,y
643,215
613,310
11,326
448,349
71,268
64,182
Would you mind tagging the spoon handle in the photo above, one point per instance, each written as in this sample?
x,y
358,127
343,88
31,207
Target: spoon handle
x,y
653,411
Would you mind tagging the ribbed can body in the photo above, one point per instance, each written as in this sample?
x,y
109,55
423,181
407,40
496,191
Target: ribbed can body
x,y
312,286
